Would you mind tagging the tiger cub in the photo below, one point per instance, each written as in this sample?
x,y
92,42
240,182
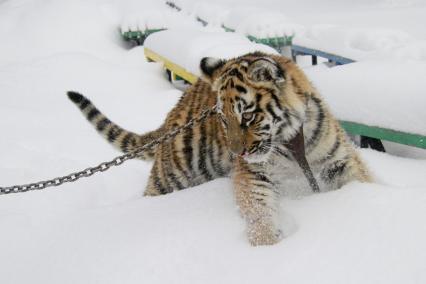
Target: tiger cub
x,y
262,102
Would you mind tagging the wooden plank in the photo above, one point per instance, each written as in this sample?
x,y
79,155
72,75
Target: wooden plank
x,y
174,68
400,137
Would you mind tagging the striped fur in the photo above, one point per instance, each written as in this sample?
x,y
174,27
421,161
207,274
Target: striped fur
x,y
263,100
120,138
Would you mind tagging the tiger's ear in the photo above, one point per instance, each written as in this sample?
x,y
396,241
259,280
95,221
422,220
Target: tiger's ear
x,y
209,65
265,69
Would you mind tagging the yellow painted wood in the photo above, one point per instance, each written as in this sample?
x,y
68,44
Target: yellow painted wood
x,y
174,76
174,68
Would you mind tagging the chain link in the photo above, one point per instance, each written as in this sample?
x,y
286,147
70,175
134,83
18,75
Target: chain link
x,y
102,167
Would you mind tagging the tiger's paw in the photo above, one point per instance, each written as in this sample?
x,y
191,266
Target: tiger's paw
x,y
263,233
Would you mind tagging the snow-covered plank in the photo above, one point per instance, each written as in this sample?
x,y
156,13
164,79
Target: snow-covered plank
x,y
260,25
185,48
169,65
138,25
261,22
384,94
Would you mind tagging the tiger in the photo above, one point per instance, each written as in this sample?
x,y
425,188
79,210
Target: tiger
x,y
262,101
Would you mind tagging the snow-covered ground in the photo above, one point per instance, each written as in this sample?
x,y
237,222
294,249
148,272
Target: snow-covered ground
x,y
101,230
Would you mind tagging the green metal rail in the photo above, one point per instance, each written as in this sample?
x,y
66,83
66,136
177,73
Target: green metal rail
x,y
400,137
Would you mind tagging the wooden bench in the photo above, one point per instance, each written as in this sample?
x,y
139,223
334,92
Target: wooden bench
x,y
137,37
371,136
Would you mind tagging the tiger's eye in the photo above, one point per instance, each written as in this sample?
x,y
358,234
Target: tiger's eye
x,y
248,116
241,89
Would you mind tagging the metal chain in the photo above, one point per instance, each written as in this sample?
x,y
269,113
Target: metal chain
x,y
102,167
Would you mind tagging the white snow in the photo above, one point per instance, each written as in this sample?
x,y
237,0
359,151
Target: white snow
x,y
156,19
101,230
214,14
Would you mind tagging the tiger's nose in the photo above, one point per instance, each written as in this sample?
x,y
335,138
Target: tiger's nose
x,y
239,152
237,149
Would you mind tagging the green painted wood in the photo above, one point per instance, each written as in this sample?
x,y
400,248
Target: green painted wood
x,y
400,137
132,35
139,36
228,29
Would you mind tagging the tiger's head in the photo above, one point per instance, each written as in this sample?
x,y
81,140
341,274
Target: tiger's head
x,y
256,104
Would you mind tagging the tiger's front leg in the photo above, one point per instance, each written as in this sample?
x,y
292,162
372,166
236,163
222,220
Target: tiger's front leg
x,y
258,202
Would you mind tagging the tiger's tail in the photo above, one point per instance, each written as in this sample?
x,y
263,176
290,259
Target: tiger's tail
x,y
122,139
